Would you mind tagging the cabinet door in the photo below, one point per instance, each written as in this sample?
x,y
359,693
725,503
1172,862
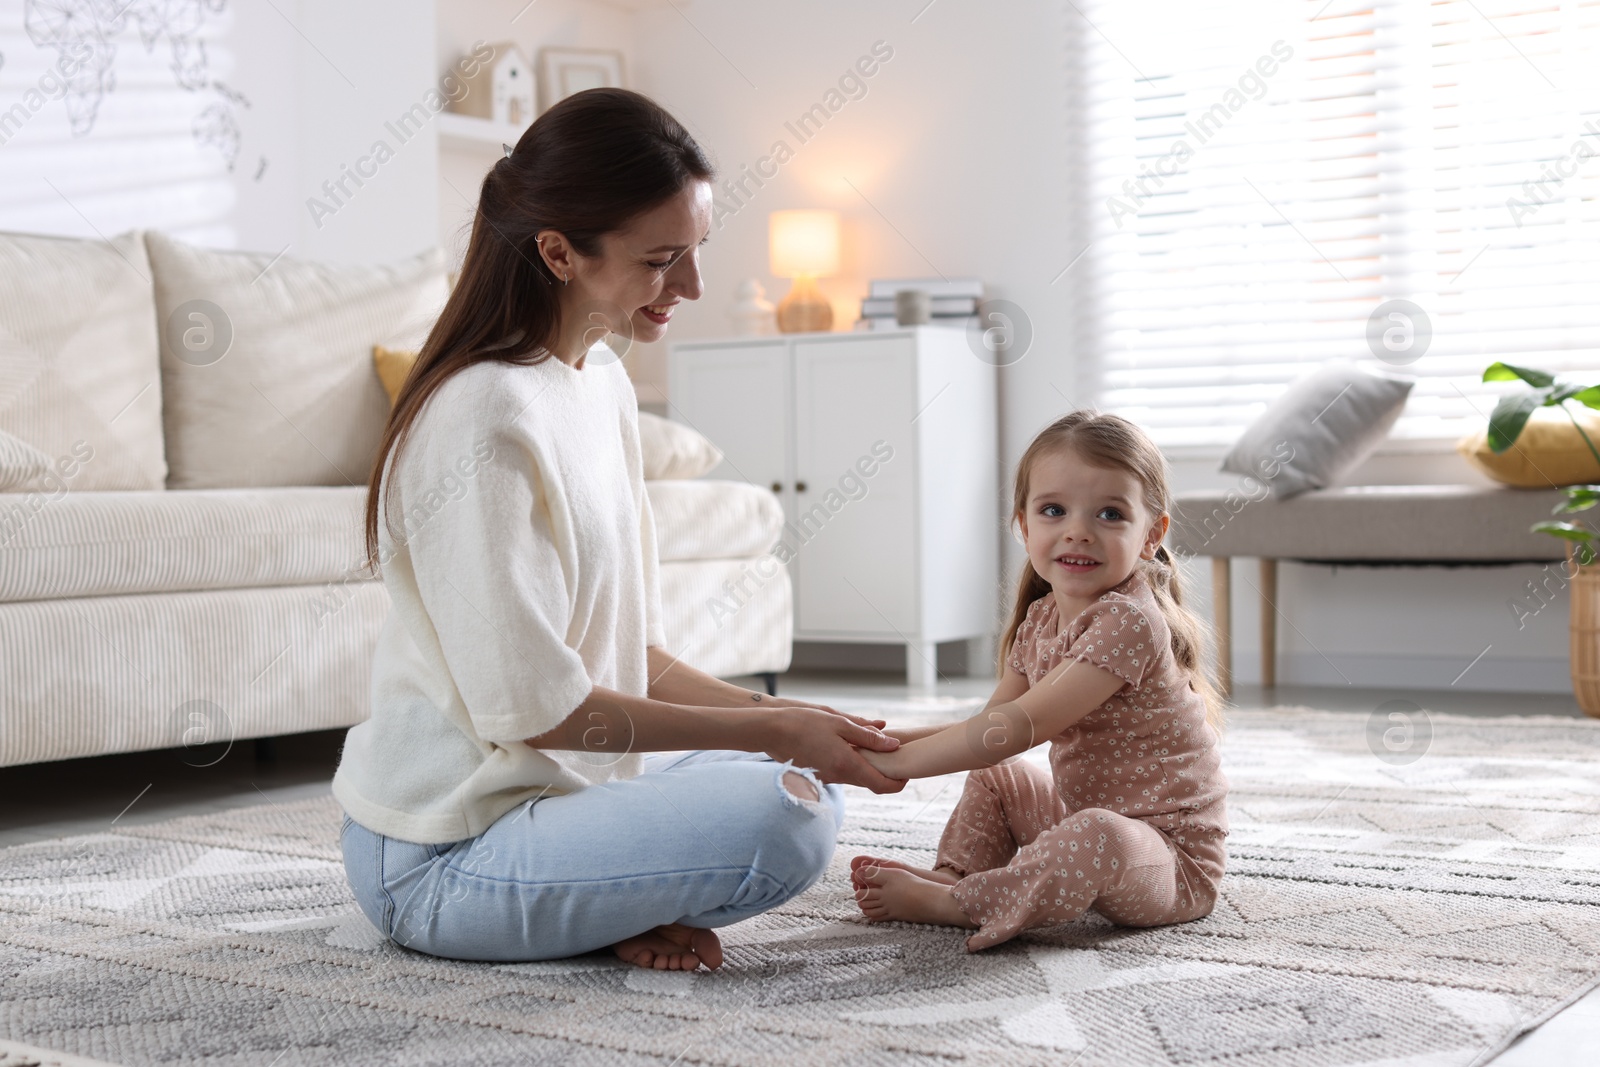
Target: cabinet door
x,y
737,398
856,561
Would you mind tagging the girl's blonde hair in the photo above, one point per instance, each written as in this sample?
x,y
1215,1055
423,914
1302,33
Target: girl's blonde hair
x,y
1113,443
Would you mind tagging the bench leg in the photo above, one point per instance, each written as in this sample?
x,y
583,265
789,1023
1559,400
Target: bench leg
x,y
1222,612
1269,623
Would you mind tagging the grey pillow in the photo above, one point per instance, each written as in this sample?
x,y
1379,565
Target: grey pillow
x,y
1323,424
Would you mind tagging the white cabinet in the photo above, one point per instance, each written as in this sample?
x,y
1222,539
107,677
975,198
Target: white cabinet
x,y
882,449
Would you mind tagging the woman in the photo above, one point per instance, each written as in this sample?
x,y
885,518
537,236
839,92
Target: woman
x,y
497,807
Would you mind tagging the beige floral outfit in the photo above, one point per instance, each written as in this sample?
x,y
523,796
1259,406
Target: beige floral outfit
x,y
1131,819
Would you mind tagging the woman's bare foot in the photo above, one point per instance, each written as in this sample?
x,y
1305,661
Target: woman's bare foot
x,y
894,894
673,947
858,882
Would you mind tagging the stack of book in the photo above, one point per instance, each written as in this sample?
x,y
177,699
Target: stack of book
x,y
954,300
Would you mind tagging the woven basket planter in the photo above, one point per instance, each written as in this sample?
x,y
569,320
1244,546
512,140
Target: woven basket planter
x,y
1585,631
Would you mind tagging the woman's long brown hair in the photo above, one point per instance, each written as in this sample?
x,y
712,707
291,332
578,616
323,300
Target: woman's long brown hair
x,y
1113,443
586,167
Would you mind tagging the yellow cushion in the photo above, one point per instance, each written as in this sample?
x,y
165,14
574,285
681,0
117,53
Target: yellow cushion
x,y
393,365
1547,455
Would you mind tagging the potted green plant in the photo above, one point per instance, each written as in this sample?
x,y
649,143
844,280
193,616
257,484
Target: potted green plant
x,y
1510,415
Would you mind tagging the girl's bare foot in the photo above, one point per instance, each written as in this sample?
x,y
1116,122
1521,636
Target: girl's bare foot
x,y
943,877
673,947
893,894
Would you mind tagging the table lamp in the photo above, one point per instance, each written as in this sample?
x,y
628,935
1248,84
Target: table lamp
x,y
803,245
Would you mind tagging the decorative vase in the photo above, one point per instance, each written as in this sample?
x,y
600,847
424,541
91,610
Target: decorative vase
x,y
912,307
753,314
805,309
1585,634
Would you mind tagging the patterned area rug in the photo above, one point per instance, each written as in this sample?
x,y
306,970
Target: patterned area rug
x,y
1412,898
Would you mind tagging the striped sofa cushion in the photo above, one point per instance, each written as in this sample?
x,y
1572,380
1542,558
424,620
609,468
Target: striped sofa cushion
x,y
729,616
83,677
101,544
713,519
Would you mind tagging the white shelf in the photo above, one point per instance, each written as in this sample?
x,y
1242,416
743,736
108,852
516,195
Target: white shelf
x,y
472,134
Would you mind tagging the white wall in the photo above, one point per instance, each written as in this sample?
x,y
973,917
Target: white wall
x,y
360,65
324,80
307,87
548,23
954,154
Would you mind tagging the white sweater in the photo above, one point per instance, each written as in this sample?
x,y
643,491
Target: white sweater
x,y
522,572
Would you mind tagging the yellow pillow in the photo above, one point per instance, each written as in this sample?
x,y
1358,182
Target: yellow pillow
x,y
1548,454
393,365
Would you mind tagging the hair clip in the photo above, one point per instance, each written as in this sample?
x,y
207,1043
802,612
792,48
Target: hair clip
x,y
507,148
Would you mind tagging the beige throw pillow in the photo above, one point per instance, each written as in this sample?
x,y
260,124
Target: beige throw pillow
x,y
1548,454
673,450
266,362
80,377
393,366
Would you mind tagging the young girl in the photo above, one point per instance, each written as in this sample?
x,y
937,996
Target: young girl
x,y
1102,660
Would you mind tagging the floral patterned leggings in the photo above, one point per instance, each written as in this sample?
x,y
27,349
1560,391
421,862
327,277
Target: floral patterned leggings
x,y
1024,860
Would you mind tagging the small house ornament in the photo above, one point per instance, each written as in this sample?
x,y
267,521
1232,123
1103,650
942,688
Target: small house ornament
x,y
502,88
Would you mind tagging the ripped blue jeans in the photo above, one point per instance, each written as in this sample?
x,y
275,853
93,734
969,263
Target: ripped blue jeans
x,y
700,838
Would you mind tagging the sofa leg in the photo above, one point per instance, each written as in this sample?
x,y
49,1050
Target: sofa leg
x,y
266,750
1222,612
771,678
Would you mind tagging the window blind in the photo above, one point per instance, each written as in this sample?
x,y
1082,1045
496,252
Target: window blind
x,y
141,134
1258,179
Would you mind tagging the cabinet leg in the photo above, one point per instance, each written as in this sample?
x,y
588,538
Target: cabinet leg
x,y
922,664
1269,623
1222,612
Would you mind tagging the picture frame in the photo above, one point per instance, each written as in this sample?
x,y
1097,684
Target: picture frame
x,y
564,71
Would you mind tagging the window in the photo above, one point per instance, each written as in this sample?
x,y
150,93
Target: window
x,y
1257,179
141,133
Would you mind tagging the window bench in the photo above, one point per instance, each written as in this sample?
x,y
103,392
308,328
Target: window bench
x,y
1411,525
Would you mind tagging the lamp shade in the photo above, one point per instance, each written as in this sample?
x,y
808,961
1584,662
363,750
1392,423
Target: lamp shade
x,y
803,243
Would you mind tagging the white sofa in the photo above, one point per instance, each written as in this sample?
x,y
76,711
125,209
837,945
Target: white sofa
x,y
181,499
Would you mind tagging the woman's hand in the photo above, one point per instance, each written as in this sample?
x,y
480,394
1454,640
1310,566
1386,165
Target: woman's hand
x,y
675,682
787,702
832,744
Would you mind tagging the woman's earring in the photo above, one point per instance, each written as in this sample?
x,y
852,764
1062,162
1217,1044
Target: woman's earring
x,y
565,279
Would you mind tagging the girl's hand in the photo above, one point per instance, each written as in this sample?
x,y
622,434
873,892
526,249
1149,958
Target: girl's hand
x,y
888,764
832,744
